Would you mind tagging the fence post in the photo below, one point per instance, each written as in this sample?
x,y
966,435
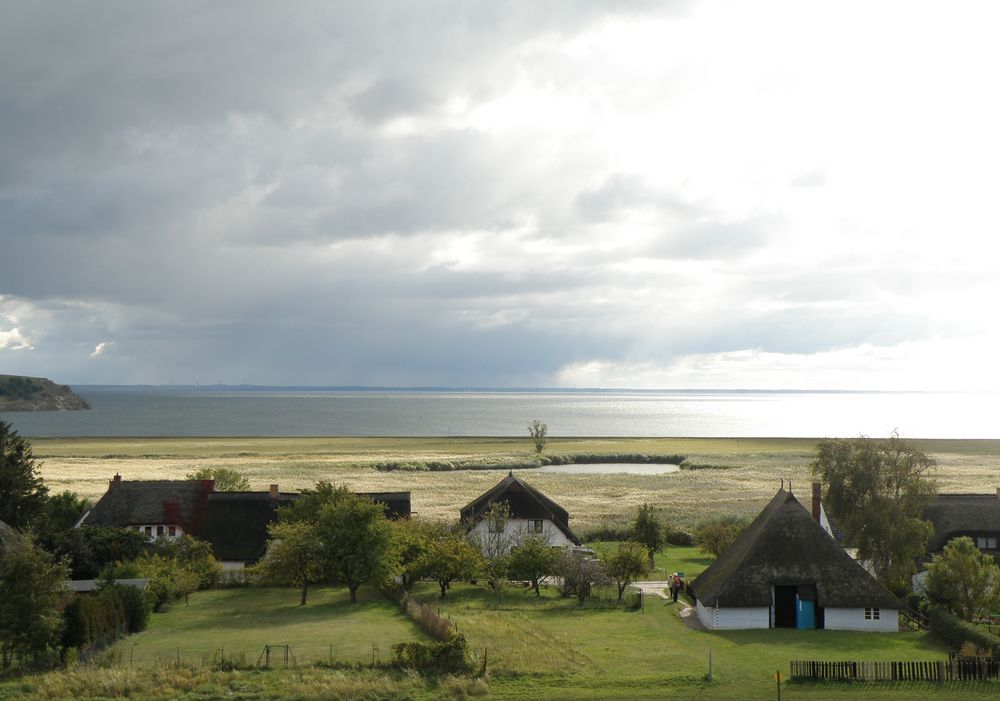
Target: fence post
x,y
709,664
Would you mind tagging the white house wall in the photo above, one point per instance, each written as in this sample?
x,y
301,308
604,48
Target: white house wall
x,y
854,619
725,618
517,529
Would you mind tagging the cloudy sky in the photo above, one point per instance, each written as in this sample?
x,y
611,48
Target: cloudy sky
x,y
504,193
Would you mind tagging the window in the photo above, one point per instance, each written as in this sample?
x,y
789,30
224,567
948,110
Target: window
x,y
172,531
149,531
535,525
872,614
986,542
496,526
159,531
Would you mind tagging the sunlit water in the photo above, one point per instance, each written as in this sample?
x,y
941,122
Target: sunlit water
x,y
124,411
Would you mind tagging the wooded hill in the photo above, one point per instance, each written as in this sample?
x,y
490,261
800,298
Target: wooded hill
x,y
19,393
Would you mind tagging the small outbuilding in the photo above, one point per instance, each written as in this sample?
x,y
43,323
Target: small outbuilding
x,y
785,570
531,513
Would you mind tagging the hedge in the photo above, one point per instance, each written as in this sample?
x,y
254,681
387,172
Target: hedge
x,y
955,631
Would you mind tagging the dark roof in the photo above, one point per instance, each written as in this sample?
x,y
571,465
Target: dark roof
x,y
956,515
138,502
785,545
397,504
236,526
524,501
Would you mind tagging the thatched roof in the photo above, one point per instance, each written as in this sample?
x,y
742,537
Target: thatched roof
x,y
142,502
786,546
236,526
524,501
956,515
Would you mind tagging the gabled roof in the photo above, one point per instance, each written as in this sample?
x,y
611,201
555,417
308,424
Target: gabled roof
x,y
785,545
524,501
955,515
140,502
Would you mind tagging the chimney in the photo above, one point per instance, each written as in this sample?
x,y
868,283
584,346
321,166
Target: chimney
x,y
273,491
817,503
117,482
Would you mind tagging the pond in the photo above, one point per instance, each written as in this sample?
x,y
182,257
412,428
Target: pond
x,y
611,468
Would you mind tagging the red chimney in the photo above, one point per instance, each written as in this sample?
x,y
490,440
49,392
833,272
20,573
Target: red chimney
x,y
116,482
273,491
817,504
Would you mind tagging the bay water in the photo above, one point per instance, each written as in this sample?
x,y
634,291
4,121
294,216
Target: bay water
x,y
254,411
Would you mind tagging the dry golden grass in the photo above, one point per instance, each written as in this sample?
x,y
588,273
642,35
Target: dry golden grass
x,y
85,465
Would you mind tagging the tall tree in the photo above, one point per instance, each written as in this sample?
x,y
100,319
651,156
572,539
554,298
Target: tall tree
x,y
22,492
359,542
32,587
876,491
625,565
965,580
539,433
296,557
650,531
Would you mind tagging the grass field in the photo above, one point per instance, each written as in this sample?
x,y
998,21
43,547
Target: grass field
x,y
534,648
237,623
85,465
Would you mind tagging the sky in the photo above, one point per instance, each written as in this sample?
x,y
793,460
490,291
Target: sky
x,y
507,193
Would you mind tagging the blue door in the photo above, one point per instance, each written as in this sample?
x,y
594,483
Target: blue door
x,y
805,614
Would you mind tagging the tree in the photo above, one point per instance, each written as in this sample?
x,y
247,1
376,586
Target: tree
x,y
876,492
714,535
32,586
412,538
625,565
22,492
539,434
579,574
448,557
358,540
495,544
964,580
226,479
532,559
650,531
296,557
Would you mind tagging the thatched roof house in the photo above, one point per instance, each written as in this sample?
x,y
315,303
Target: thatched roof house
x,y
531,512
159,508
974,515
233,523
785,570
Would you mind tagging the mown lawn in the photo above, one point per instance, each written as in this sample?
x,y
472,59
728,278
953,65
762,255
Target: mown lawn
x,y
237,623
551,648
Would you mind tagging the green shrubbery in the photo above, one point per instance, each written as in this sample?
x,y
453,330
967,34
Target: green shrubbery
x,y
114,610
540,461
954,631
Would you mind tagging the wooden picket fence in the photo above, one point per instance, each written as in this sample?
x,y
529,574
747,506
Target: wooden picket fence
x,y
956,668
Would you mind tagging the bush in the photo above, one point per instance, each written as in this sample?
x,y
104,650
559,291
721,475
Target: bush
x,y
681,538
716,534
956,632
448,655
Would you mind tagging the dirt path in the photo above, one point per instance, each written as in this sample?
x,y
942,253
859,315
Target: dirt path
x,y
685,611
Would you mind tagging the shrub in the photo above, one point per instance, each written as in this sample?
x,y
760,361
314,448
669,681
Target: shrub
x,y
448,655
956,632
714,535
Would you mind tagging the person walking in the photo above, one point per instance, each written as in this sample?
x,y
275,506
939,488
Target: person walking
x,y
675,586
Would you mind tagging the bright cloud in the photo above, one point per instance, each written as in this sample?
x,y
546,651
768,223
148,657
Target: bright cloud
x,y
690,194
